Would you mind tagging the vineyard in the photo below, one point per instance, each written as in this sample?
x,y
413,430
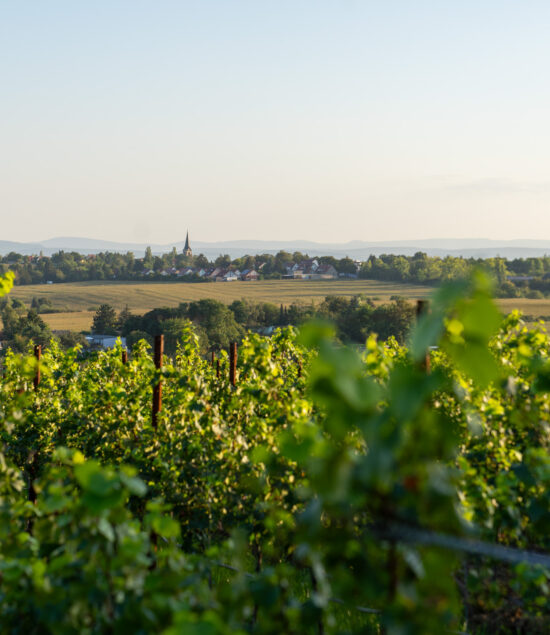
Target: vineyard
x,y
292,486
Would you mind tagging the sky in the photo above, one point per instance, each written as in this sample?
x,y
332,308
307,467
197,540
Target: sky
x,y
274,120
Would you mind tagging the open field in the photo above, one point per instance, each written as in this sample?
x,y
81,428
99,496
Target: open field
x,y
143,296
74,321
535,308
84,297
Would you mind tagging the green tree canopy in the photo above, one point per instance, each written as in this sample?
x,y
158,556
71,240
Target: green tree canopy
x,y
105,320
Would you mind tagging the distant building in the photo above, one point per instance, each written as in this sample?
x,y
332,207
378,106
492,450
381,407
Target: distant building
x,y
520,278
249,274
304,270
324,272
231,276
217,273
187,251
104,341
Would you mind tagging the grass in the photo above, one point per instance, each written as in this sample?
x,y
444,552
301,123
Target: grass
x,y
535,308
75,321
142,297
84,297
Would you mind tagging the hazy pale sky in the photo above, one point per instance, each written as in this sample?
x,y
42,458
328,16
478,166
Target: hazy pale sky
x,y
302,119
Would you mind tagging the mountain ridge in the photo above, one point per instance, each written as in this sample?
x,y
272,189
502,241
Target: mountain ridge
x,y
357,249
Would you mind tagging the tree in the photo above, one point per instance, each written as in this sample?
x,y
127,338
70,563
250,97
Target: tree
x,y
123,317
223,261
135,336
70,339
201,261
241,311
282,260
217,321
394,319
105,320
20,330
173,257
148,260
174,330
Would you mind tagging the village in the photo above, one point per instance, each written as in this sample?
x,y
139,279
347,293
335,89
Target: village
x,y
309,269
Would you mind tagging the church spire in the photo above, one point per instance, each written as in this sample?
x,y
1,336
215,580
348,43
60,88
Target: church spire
x,y
187,249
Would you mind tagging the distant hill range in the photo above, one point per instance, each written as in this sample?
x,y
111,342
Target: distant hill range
x,y
356,249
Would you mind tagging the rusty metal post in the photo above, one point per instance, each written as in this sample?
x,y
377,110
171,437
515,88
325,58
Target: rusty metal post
x,y
38,355
233,363
157,388
422,307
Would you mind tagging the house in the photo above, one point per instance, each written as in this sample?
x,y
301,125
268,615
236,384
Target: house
x,y
104,341
266,330
231,276
306,269
519,278
216,273
249,274
324,272
312,264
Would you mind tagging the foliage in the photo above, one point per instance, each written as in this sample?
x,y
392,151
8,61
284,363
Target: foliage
x,y
20,330
6,283
514,278
281,504
217,325
105,320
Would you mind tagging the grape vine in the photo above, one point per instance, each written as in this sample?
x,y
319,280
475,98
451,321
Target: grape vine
x,y
329,490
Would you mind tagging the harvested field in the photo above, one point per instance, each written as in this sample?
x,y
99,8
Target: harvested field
x,y
83,298
141,297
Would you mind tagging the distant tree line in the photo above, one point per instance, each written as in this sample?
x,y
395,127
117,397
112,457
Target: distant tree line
x,y
218,324
528,277
74,267
23,326
215,323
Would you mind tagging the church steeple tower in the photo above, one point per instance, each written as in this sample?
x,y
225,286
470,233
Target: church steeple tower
x,y
187,251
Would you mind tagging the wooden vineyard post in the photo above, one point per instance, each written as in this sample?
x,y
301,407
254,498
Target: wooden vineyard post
x,y
422,307
213,358
217,369
33,457
124,355
233,363
38,355
157,388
